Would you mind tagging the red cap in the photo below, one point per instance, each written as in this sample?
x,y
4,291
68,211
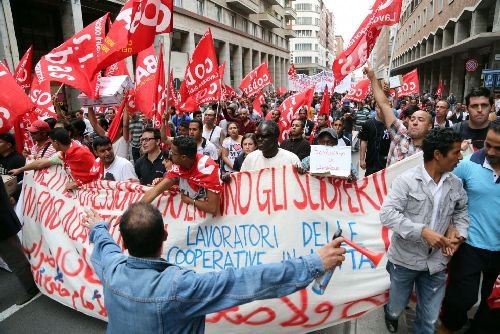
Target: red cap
x,y
39,125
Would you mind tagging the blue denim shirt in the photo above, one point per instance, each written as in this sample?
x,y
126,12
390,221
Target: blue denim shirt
x,y
154,296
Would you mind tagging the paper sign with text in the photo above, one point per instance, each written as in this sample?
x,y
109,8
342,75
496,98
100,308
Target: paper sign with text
x,y
266,216
331,160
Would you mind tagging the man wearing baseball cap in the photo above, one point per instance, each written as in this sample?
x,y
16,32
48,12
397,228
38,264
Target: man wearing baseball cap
x,y
39,131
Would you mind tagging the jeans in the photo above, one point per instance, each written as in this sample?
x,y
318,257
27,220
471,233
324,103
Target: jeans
x,y
429,290
464,283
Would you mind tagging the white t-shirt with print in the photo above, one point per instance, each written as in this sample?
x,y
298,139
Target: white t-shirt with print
x,y
121,169
234,148
256,160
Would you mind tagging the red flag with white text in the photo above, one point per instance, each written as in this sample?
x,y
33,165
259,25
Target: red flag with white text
x,y
22,74
201,78
439,89
281,91
259,100
145,81
292,73
227,92
410,84
384,13
13,100
256,80
359,92
290,108
118,68
135,28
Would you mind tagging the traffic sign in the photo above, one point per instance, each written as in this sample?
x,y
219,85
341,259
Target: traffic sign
x,y
471,65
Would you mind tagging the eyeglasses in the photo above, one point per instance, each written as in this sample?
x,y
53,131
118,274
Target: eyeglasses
x,y
142,140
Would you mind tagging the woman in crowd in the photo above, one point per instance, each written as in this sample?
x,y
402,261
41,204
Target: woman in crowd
x,y
249,144
231,147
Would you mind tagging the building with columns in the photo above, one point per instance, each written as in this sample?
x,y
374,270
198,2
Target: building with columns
x,y
449,40
313,48
246,32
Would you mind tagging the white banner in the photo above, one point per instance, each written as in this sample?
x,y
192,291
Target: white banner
x,y
267,216
302,82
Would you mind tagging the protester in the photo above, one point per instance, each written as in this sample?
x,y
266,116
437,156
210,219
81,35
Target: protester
x,y
75,156
308,124
11,159
109,166
205,147
374,144
404,141
296,142
451,101
120,144
231,147
338,125
440,120
150,166
11,250
42,148
136,127
269,154
476,264
321,123
478,103
422,203
275,115
212,132
249,144
245,124
183,296
197,176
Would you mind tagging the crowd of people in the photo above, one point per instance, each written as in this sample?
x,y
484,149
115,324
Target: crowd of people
x,y
439,212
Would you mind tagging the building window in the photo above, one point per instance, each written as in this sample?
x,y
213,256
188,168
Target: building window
x,y
440,6
200,7
178,3
303,47
303,7
317,60
425,16
303,33
316,21
254,29
218,10
233,20
303,60
304,20
431,9
244,25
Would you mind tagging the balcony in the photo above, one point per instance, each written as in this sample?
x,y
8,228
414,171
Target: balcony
x,y
273,2
289,33
290,13
267,20
243,6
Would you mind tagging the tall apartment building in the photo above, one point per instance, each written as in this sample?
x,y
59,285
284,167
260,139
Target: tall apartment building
x,y
450,40
313,48
339,45
246,32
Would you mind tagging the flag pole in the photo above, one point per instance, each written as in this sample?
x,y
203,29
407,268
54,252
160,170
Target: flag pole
x,y
168,74
393,47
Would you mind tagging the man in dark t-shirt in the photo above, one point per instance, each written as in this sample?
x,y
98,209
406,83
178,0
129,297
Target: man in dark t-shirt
x,y
374,146
478,103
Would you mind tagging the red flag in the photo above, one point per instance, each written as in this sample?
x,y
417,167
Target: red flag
x,y
22,74
290,107
324,109
281,91
114,127
161,92
292,73
13,100
145,81
222,68
118,68
384,13
189,105
173,99
201,78
227,92
135,28
258,101
410,84
130,98
359,92
439,89
256,80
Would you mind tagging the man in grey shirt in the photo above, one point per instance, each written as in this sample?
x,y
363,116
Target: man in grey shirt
x,y
422,204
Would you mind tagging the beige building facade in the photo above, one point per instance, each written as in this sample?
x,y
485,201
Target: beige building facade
x,y
445,39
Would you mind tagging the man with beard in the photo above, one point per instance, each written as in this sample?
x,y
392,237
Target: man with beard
x,y
480,254
404,142
108,166
269,154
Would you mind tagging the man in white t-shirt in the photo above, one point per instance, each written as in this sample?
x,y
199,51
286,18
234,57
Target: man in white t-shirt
x,y
268,154
109,166
212,132
205,147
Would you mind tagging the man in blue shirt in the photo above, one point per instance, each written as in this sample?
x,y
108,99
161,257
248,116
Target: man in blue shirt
x,y
146,294
480,254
